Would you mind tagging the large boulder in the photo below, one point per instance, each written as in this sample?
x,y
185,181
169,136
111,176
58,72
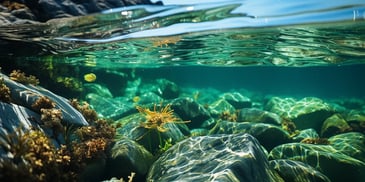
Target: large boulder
x,y
236,157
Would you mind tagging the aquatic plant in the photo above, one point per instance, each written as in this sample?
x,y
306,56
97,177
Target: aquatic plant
x,y
316,141
70,83
11,5
165,41
167,144
18,76
43,102
33,157
89,114
52,119
157,119
4,92
228,116
289,126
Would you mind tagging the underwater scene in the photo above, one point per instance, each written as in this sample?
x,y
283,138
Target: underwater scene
x,y
162,91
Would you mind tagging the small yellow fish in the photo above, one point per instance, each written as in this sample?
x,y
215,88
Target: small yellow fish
x,y
90,77
136,99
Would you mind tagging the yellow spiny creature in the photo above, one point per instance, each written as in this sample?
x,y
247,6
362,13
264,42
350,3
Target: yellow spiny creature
x,y
157,119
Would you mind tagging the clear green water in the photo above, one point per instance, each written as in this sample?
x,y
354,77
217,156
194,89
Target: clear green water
x,y
306,48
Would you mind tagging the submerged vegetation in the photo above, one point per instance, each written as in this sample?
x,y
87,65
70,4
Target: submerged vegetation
x,y
20,77
4,92
32,155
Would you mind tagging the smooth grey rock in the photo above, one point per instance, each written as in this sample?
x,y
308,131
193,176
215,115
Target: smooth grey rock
x,y
26,95
237,157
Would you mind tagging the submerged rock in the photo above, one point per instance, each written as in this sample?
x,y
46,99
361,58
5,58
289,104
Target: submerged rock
x,y
219,107
356,120
268,135
127,156
151,139
309,112
237,157
334,125
258,116
296,171
189,110
112,108
351,144
304,134
237,100
336,165
27,95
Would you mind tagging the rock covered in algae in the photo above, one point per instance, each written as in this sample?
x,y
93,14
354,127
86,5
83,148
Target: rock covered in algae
x,y
351,144
127,156
235,157
268,135
333,163
356,120
333,125
309,112
296,171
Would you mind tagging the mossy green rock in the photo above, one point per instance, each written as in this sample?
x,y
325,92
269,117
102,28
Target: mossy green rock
x,y
296,171
351,144
334,125
356,120
268,135
234,157
309,112
337,166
